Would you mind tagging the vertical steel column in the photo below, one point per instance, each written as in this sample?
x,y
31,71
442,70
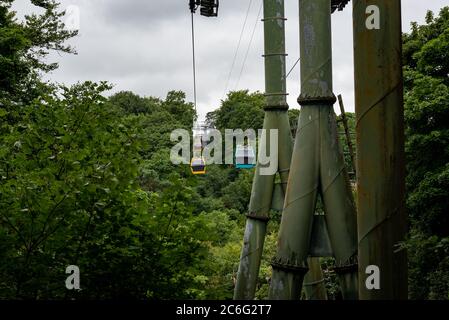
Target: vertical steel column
x,y
290,266
380,145
317,167
276,117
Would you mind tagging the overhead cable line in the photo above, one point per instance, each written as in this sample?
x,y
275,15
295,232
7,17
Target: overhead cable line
x,y
194,63
292,68
237,49
249,45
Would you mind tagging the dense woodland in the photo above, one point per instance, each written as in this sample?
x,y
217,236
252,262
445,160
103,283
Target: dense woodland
x,y
86,179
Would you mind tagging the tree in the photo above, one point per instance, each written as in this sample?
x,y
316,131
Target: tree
x,y
176,105
24,47
87,181
132,103
68,171
426,83
293,116
240,110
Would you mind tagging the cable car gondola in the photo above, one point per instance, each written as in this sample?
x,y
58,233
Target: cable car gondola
x,y
244,157
198,165
208,8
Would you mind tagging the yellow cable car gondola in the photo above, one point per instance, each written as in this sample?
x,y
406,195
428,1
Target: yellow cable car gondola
x,y
198,166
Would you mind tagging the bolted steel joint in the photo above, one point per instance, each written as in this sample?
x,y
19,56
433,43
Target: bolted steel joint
x,y
350,268
255,216
351,265
273,107
287,265
304,100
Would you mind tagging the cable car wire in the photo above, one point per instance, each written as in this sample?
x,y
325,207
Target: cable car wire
x,y
237,49
249,45
194,63
292,68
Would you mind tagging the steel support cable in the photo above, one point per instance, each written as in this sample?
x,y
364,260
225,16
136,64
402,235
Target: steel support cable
x,y
249,45
294,65
317,185
265,207
393,89
358,120
307,193
308,123
237,49
252,122
328,60
324,189
250,253
194,63
378,224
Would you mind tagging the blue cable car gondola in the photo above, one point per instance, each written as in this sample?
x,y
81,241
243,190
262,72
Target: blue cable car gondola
x,y
244,157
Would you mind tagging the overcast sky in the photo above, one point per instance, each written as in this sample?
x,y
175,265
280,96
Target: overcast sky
x,y
144,46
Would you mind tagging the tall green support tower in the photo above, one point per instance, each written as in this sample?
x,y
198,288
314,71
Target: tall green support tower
x,y
265,193
317,169
276,117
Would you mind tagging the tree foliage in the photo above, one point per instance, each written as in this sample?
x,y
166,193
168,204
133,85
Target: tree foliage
x,y
87,180
426,82
24,48
240,110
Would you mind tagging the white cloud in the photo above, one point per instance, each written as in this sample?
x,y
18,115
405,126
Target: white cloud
x,y
144,46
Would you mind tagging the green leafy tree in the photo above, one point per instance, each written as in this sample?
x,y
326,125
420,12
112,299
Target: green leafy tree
x,y
68,169
293,116
175,103
237,193
24,48
426,79
240,110
132,103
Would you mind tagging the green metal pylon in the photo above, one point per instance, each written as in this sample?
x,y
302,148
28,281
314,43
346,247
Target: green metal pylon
x,y
382,221
263,189
276,117
314,285
317,168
